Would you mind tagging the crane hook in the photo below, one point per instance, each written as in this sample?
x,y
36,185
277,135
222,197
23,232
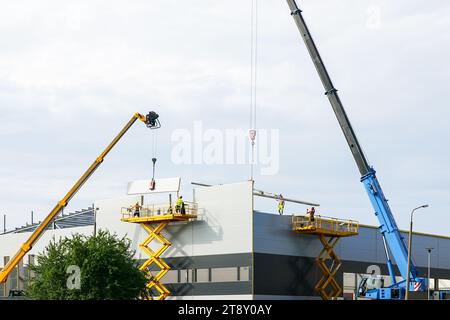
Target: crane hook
x,y
153,183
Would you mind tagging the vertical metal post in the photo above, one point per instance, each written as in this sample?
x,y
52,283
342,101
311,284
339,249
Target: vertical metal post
x,y
408,276
408,272
429,271
19,276
7,284
31,262
95,219
4,223
32,213
170,203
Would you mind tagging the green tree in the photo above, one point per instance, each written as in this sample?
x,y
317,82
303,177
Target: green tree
x,y
108,270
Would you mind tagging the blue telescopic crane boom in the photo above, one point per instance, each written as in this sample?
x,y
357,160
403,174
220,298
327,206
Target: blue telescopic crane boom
x,y
388,227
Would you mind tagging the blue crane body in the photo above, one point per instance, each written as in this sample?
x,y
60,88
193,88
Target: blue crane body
x,y
392,238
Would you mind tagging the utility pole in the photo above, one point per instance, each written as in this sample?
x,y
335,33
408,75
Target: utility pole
x,y
32,220
95,219
429,270
4,223
408,275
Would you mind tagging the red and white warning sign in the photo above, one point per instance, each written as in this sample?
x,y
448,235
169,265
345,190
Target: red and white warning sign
x,y
416,286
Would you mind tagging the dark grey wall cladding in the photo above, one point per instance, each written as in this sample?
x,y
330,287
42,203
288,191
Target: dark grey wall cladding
x,y
285,275
216,288
361,267
273,234
211,261
293,275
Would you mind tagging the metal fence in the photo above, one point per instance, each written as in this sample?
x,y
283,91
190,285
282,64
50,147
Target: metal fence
x,y
153,210
325,223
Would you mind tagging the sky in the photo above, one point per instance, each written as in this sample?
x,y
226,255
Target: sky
x,y
72,73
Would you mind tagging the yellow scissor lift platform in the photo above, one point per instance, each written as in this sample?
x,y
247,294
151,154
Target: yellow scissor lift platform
x,y
329,231
154,219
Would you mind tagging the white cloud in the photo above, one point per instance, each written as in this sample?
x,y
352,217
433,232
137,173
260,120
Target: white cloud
x,y
72,73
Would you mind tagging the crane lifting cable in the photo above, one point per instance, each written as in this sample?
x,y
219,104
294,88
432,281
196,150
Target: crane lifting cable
x,y
253,78
154,153
152,182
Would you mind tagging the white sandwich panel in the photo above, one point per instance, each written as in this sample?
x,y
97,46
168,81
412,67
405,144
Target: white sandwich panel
x,y
108,218
223,226
161,185
11,242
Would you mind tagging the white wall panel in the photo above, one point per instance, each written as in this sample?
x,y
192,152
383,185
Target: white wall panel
x,y
224,224
109,215
10,243
161,185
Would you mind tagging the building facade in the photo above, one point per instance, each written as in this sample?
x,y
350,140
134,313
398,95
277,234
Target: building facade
x,y
233,251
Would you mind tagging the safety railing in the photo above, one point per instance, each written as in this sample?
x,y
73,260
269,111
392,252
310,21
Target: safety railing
x,y
153,210
319,223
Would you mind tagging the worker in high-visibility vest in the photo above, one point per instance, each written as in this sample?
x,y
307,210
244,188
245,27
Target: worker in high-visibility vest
x,y
280,205
179,204
311,213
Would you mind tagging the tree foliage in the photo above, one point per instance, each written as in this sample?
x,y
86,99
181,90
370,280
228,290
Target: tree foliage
x,y
108,270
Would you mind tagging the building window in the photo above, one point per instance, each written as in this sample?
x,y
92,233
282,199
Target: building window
x,y
224,274
349,282
170,277
244,274
183,276
186,275
229,274
444,284
202,275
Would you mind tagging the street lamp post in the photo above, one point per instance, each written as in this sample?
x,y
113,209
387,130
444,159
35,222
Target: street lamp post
x,y
408,276
429,270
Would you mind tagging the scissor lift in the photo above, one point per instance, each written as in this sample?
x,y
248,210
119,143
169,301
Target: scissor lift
x,y
329,232
154,219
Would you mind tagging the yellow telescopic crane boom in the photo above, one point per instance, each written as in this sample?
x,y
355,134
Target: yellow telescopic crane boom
x,y
151,121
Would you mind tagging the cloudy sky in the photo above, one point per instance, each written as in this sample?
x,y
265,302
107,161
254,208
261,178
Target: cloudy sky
x,y
73,72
